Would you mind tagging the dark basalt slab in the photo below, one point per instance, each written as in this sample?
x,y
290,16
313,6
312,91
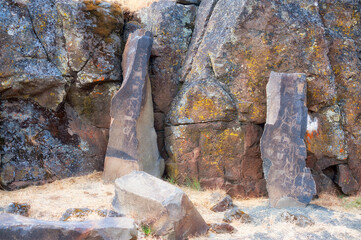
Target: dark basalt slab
x,y
132,138
289,181
19,227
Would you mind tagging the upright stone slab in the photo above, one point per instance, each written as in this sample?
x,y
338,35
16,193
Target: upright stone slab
x,y
132,139
289,181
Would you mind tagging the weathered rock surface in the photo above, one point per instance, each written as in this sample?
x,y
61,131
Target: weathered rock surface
x,y
299,220
236,214
165,208
63,58
18,227
39,145
223,205
132,139
222,228
171,25
345,179
257,37
289,181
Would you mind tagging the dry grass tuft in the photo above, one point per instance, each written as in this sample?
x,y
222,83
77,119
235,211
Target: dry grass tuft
x,y
135,5
50,201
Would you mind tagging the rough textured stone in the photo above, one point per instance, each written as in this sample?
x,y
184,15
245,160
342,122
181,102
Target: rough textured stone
x,y
165,208
345,180
289,181
223,205
171,25
252,40
221,228
299,220
40,145
18,227
132,139
61,55
236,214
343,22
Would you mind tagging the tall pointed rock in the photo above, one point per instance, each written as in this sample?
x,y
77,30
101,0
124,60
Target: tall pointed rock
x,y
289,181
132,139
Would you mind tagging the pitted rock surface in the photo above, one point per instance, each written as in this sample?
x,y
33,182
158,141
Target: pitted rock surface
x,y
289,181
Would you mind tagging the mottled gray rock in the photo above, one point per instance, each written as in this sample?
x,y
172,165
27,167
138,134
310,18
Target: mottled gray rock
x,y
236,214
299,220
289,181
132,139
162,206
18,227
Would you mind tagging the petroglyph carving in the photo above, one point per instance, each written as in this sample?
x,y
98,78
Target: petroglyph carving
x,y
289,181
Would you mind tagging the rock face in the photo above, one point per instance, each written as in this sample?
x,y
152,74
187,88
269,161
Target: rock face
x,y
239,52
289,182
18,227
171,25
165,208
132,139
59,68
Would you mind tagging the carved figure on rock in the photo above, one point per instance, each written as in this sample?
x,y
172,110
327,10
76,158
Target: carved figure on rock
x,y
132,139
289,181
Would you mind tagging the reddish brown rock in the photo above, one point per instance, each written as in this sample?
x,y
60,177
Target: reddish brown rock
x,y
132,139
345,180
289,181
221,228
223,205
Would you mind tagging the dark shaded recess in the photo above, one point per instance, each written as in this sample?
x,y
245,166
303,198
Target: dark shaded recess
x,y
330,172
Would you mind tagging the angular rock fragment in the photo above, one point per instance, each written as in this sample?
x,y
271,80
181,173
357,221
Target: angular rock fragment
x,y
223,205
132,139
299,220
236,214
222,228
289,181
345,180
18,227
163,207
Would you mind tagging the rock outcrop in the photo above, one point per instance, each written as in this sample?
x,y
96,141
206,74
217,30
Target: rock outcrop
x,y
59,68
289,181
18,227
318,38
165,208
132,141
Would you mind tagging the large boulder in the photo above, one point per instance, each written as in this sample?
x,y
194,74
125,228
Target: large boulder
x,y
132,139
289,182
18,227
163,207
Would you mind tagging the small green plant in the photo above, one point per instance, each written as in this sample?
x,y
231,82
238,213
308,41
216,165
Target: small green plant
x,y
146,230
356,203
171,180
194,183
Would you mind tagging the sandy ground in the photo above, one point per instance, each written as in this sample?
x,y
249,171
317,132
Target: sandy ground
x,y
335,218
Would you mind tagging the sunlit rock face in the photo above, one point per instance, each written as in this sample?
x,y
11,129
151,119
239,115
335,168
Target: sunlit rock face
x,y
318,38
59,68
